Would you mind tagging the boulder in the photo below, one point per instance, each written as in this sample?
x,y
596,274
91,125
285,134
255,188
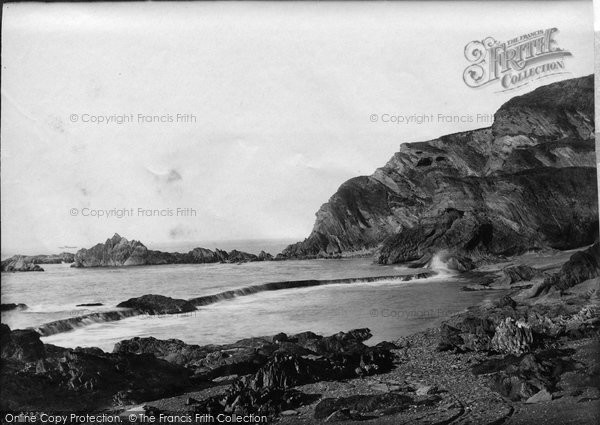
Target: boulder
x,y
158,304
467,333
12,306
540,396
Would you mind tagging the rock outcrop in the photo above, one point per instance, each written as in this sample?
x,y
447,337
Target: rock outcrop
x,y
582,265
527,182
20,263
30,263
523,333
34,376
158,304
264,370
118,251
13,306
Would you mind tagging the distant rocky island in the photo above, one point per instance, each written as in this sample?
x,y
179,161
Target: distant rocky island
x,y
31,263
118,251
528,182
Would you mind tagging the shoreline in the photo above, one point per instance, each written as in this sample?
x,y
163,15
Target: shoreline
x,y
426,377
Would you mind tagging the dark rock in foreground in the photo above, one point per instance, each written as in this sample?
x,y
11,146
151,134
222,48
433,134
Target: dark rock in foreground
x,y
158,304
21,345
478,193
35,377
118,251
362,407
270,366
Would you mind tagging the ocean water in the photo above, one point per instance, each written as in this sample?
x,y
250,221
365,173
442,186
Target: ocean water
x,y
390,307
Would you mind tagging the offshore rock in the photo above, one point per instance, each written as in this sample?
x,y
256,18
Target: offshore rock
x,y
118,251
20,263
158,304
27,263
478,193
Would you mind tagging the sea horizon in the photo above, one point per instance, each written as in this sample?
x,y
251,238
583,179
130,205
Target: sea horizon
x,y
249,245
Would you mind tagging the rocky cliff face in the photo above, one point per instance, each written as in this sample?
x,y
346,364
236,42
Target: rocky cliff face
x,y
118,251
526,182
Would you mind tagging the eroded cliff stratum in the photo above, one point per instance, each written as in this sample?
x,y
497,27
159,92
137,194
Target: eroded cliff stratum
x,y
527,182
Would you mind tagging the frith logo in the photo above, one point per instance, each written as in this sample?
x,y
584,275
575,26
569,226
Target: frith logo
x,y
516,62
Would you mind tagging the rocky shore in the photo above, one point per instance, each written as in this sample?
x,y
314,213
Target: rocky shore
x,y
531,357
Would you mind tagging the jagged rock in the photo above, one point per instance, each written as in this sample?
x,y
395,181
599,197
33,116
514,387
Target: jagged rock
x,y
484,194
118,251
460,263
512,337
264,256
20,263
582,265
37,376
519,378
469,333
268,367
240,257
203,255
158,304
506,301
517,274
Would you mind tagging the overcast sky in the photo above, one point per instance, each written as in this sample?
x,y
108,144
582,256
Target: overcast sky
x,y
282,94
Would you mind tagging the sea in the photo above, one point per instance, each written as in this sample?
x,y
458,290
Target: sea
x,y
395,304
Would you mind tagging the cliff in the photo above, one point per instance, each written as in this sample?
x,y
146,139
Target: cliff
x,y
118,251
527,182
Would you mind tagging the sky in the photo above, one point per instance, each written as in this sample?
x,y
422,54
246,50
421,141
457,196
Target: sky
x,y
275,104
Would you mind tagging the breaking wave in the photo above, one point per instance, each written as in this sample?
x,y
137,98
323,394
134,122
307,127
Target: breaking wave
x,y
66,325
